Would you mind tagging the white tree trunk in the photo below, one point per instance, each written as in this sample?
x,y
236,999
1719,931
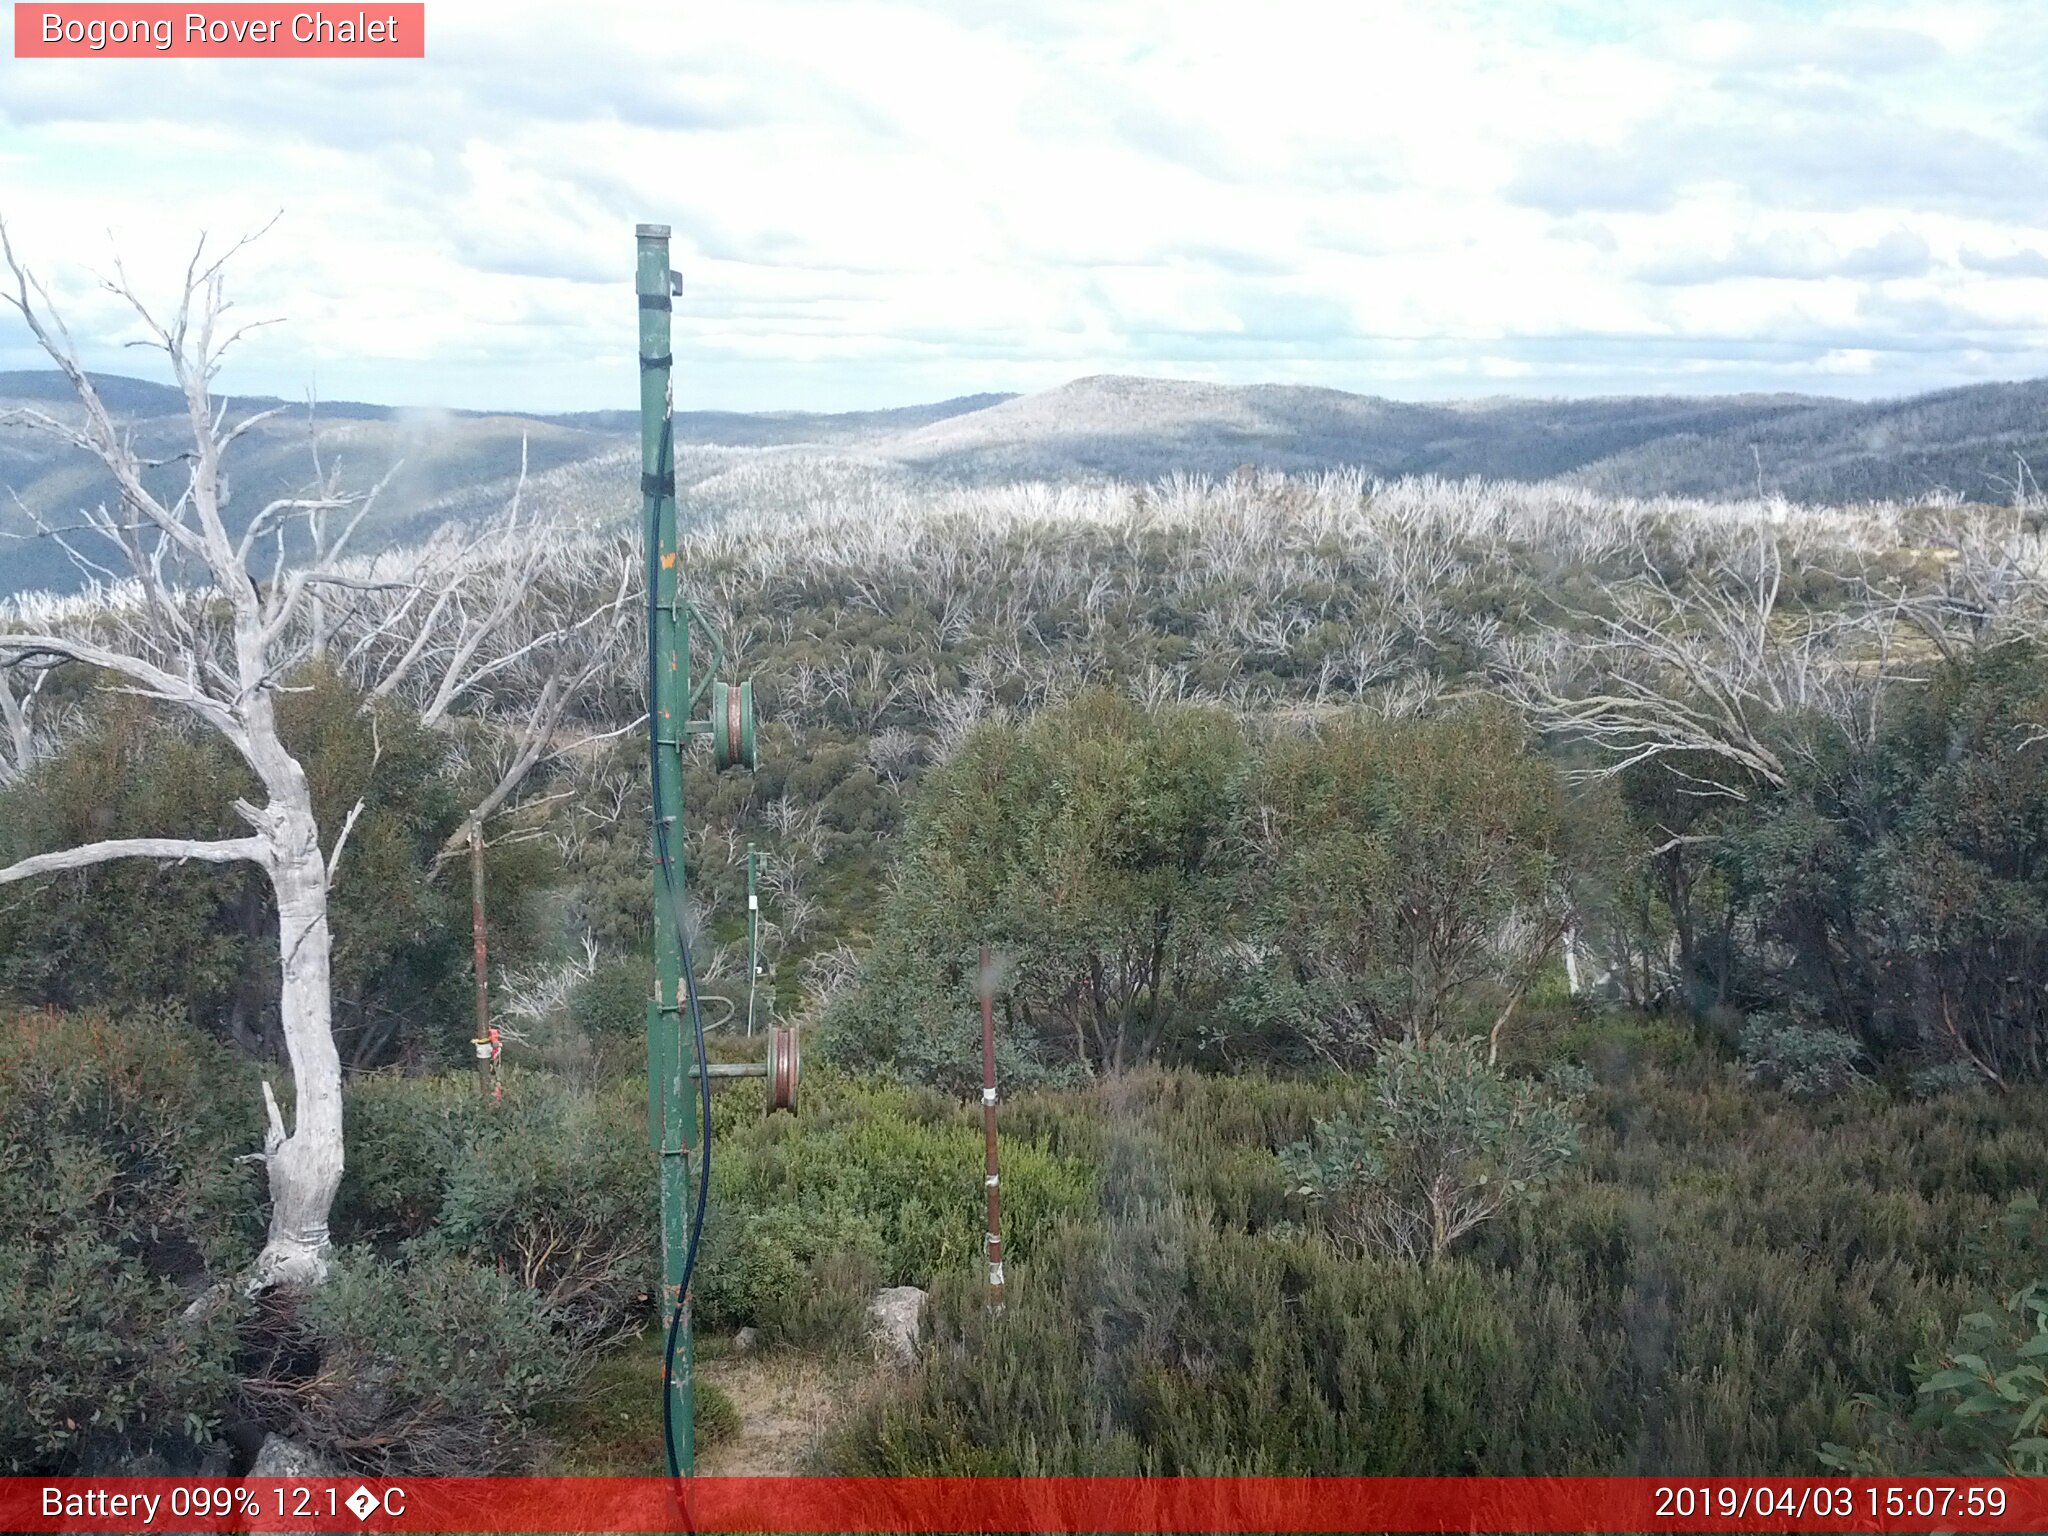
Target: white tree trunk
x,y
305,1165
304,1162
174,658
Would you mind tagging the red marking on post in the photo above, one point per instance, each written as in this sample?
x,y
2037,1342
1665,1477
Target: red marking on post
x,y
379,30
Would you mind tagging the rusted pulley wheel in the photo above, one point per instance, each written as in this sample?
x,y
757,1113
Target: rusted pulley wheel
x,y
732,725
784,1062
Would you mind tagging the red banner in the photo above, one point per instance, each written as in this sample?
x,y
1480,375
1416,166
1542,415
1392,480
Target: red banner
x,y
1103,1504
238,31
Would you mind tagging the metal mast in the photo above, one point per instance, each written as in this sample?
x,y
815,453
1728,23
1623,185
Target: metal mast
x,y
672,1102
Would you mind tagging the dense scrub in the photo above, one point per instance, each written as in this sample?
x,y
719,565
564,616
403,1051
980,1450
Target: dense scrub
x,y
1178,885
1708,1290
119,1192
1167,885
202,938
1904,878
1225,773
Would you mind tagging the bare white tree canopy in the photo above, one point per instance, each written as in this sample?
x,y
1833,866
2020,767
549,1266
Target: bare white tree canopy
x,y
208,612
196,631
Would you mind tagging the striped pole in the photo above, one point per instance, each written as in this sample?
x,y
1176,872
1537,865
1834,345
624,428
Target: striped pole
x,y
992,1241
753,940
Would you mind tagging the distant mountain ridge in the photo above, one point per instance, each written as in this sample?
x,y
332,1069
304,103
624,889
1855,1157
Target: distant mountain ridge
x,y
1137,428
1970,440
140,397
1815,448
446,458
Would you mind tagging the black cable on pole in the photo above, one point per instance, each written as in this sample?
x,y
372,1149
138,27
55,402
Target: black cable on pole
x,y
666,859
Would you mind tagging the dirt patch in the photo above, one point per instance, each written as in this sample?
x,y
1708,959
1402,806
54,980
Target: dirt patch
x,y
787,1402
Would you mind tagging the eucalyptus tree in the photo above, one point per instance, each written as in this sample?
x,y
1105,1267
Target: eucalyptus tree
x,y
208,612
191,626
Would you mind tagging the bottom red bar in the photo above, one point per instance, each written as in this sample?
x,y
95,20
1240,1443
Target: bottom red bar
x,y
1102,1504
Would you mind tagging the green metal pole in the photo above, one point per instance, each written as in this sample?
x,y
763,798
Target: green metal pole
x,y
672,1103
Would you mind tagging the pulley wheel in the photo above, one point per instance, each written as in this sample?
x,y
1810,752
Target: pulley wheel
x,y
732,725
783,1064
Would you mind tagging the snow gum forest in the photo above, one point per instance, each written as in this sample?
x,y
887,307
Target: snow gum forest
x,y
1492,977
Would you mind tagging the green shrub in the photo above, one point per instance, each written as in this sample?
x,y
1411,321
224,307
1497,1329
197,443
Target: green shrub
x,y
612,999
1446,1143
1980,1402
1412,874
1896,885
717,1417
436,1367
1091,847
1946,1077
1156,1344
1806,1063
403,1134
554,1184
1705,1288
120,1200
802,1274
93,1357
875,1183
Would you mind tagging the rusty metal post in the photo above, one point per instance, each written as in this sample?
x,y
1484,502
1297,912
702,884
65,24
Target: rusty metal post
x,y
992,1240
486,1041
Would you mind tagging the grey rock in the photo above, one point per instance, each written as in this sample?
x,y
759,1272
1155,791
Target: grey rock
x,y
280,1457
746,1341
895,1318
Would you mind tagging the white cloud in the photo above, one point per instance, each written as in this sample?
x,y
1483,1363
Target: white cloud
x,y
880,200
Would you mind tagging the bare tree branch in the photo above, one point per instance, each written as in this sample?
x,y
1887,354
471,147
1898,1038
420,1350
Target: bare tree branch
x,y
176,849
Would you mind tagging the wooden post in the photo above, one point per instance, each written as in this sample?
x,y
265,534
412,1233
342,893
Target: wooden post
x,y
992,1240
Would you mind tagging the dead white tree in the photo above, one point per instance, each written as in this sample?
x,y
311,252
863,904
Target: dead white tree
x,y
504,628
1685,676
491,635
26,740
194,628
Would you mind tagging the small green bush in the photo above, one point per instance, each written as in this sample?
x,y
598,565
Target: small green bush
x,y
612,999
553,1184
875,1183
1948,1077
716,1415
439,1366
1446,1143
1804,1062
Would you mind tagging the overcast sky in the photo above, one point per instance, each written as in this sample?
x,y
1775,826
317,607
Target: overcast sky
x,y
877,203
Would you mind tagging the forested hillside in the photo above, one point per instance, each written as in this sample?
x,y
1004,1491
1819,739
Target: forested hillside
x,y
1494,979
1975,444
